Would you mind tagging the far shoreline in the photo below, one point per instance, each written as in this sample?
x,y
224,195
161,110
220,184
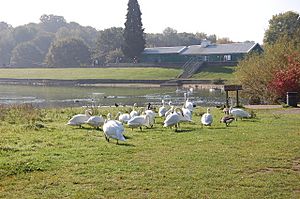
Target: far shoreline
x,y
183,83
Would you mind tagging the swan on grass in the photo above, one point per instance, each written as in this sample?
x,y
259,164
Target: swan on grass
x,y
139,121
162,110
187,113
175,118
187,104
207,118
239,113
134,112
95,121
113,129
152,115
170,111
80,119
124,117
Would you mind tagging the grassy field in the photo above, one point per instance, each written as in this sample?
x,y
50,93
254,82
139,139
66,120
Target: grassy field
x,y
91,73
207,73
215,72
41,157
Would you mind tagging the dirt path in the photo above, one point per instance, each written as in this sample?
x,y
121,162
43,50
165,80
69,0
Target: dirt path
x,y
263,106
275,107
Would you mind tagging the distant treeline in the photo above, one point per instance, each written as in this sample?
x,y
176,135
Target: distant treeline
x,y
53,42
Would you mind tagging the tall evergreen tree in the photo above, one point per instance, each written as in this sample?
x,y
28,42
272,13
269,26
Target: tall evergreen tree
x,y
134,41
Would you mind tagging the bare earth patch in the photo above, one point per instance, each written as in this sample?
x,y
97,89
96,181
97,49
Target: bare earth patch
x,y
296,165
281,111
288,111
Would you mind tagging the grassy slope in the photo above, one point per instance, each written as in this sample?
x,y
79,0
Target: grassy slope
x,y
216,72
224,72
255,158
91,73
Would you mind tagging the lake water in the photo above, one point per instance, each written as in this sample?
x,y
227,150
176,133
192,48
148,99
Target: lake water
x,y
50,96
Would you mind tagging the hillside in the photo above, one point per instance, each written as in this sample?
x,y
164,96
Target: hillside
x,y
207,73
91,73
215,72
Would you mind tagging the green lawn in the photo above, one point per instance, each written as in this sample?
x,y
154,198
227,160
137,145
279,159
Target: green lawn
x,y
254,158
91,73
215,72
207,73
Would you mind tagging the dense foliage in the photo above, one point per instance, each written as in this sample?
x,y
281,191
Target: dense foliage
x,y
109,43
283,25
257,71
267,77
28,45
134,41
69,52
287,79
26,54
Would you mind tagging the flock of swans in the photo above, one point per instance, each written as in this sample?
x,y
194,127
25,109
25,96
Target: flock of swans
x,y
138,118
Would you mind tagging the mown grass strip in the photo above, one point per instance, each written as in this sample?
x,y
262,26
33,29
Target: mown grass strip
x,y
91,73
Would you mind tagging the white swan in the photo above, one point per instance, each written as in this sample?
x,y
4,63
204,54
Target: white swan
x,y
170,111
95,121
139,121
189,105
162,110
124,117
239,113
134,112
113,129
152,115
175,118
207,118
187,113
79,119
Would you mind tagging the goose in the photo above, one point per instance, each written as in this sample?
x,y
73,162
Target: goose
x,y
207,118
189,105
175,118
79,119
162,110
149,106
139,121
113,129
239,113
226,111
95,121
227,119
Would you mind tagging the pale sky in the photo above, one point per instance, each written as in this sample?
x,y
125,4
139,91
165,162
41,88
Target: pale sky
x,y
240,20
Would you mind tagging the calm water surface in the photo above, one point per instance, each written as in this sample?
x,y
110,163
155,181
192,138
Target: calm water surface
x,y
49,96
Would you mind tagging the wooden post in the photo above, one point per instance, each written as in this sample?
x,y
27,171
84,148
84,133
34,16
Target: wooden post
x,y
232,88
237,98
227,103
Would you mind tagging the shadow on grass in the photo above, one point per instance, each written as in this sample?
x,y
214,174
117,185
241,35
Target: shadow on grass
x,y
127,137
248,120
220,127
126,144
183,130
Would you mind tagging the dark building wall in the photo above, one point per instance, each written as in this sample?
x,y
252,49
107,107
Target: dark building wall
x,y
163,58
179,58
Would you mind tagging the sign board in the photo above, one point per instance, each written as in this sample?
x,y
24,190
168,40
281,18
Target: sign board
x,y
232,87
